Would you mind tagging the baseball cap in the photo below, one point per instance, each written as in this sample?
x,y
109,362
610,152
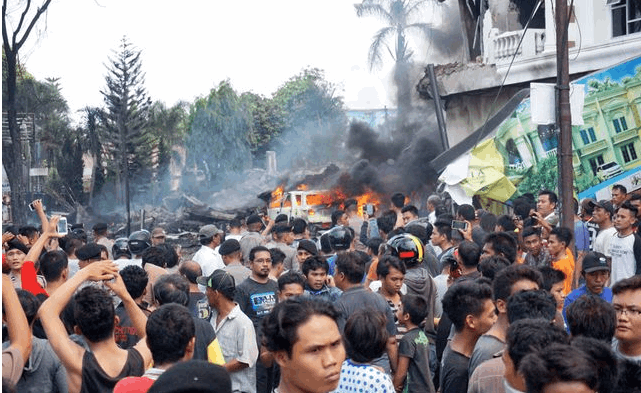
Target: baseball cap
x,y
88,251
594,261
254,218
18,245
193,376
229,246
208,231
219,280
605,204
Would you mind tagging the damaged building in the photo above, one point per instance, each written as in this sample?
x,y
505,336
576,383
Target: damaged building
x,y
601,33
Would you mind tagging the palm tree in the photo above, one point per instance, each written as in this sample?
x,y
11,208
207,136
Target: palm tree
x,y
397,14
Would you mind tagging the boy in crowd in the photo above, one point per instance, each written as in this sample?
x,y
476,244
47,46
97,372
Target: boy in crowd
x,y
413,373
469,305
536,255
315,269
625,246
562,258
391,272
595,272
290,284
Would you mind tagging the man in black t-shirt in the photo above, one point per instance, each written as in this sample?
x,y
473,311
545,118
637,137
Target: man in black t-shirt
x,y
256,297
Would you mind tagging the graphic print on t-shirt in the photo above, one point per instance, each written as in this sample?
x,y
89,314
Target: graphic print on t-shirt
x,y
262,303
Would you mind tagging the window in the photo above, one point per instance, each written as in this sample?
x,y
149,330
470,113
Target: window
x,y
588,136
595,162
620,124
629,152
626,17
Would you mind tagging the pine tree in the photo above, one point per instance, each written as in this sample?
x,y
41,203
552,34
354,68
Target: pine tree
x,y
126,118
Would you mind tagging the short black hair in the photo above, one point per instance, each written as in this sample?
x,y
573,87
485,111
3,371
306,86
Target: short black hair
x,y
30,304
531,335
386,262
490,266
350,264
336,214
551,195
314,262
365,335
277,256
531,304
635,197
470,253
628,206
135,279
591,316
563,234
559,363
191,271
550,276
530,230
154,255
503,243
280,326
416,307
620,187
467,212
627,284
386,223
255,250
398,199
93,312
444,228
72,244
374,244
169,330
465,298
487,222
509,276
290,277
52,264
298,226
506,222
410,208
171,256
171,288
28,231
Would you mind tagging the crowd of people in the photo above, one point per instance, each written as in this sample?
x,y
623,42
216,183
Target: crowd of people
x,y
443,299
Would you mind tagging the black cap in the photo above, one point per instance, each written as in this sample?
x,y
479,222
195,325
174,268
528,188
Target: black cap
x,y
219,280
193,376
254,218
594,261
308,246
89,251
229,246
605,204
101,226
18,245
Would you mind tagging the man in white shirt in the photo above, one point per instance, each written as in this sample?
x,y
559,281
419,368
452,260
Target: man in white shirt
x,y
602,216
625,246
207,257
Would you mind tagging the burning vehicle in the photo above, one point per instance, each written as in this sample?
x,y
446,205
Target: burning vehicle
x,y
315,206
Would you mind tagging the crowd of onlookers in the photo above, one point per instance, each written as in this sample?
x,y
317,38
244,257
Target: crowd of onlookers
x,y
448,298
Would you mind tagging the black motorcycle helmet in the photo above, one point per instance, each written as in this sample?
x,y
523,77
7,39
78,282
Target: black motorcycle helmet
x,y
120,248
340,238
407,248
139,241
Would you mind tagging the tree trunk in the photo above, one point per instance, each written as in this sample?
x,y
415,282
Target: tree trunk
x,y
13,160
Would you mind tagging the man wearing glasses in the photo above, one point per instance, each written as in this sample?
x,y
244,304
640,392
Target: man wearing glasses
x,y
627,304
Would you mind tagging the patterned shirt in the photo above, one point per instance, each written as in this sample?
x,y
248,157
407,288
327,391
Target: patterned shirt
x,y
363,378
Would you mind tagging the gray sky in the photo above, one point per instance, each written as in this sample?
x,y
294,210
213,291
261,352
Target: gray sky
x,y
190,46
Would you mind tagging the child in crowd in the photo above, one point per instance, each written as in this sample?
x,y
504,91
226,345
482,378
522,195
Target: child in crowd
x,y
413,372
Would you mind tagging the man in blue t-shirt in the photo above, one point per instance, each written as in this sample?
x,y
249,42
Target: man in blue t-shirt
x,y
596,272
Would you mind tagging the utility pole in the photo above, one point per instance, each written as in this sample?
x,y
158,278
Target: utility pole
x,y
563,114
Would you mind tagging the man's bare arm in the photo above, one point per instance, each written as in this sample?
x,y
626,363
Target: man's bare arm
x,y
19,332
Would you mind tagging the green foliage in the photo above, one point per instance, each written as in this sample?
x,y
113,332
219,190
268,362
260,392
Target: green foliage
x,y
168,126
125,139
219,130
543,176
